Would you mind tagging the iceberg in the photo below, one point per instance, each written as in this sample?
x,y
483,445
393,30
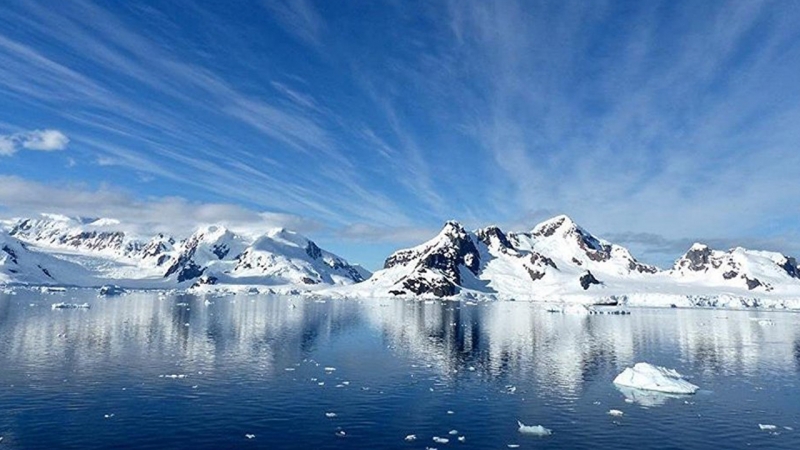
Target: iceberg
x,y
648,377
536,430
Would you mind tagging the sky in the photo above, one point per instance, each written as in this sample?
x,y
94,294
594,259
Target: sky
x,y
366,125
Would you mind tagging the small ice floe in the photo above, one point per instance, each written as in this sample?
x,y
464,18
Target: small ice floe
x,y
411,438
346,383
330,415
341,433
111,290
440,440
330,369
513,445
453,432
510,389
321,383
767,427
788,428
208,302
108,416
615,413
654,378
173,376
289,369
63,305
250,436
462,439
450,412
535,430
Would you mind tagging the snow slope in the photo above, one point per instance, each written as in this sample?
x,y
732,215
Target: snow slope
x,y
559,261
92,252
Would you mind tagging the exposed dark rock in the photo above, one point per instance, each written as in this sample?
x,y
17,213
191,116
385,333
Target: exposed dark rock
x,y
494,234
307,280
535,274
587,279
791,268
730,274
577,261
697,258
397,292
12,255
313,251
550,229
538,258
752,283
440,287
45,271
220,250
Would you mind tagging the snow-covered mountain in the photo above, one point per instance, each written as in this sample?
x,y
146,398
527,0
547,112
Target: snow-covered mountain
x,y
759,271
560,261
96,251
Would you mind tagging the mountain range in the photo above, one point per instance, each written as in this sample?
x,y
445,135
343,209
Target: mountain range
x,y
62,250
557,260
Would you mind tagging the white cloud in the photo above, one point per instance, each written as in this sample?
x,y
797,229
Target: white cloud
x,y
174,215
40,140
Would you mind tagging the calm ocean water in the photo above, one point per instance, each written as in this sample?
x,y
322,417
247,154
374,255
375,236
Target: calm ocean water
x,y
143,371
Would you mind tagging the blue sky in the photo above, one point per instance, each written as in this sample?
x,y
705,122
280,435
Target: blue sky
x,y
365,125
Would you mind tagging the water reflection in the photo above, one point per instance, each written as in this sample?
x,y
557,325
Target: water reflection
x,y
514,341
562,352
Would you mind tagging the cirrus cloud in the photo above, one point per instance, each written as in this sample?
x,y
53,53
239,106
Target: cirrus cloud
x,y
47,140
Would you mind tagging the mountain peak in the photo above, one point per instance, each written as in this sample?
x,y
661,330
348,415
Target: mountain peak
x,y
550,226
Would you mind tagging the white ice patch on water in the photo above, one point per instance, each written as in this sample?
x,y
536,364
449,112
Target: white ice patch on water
x,y
648,377
767,427
615,412
536,430
411,438
440,440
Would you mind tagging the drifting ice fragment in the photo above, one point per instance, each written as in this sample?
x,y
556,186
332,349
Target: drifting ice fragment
x,y
615,412
462,439
767,427
411,438
63,305
249,436
654,378
536,430
330,414
440,440
341,433
453,432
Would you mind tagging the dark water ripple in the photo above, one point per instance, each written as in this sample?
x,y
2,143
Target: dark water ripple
x,y
401,368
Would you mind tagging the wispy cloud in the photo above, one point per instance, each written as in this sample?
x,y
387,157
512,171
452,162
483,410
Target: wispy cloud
x,y
299,18
175,215
40,140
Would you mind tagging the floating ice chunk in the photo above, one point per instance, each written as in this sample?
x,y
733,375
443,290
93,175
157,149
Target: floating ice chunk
x,y
536,430
411,438
615,412
289,369
341,433
63,305
450,412
330,415
654,378
767,427
173,376
330,369
462,439
440,440
513,445
646,398
108,416
453,432
250,436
